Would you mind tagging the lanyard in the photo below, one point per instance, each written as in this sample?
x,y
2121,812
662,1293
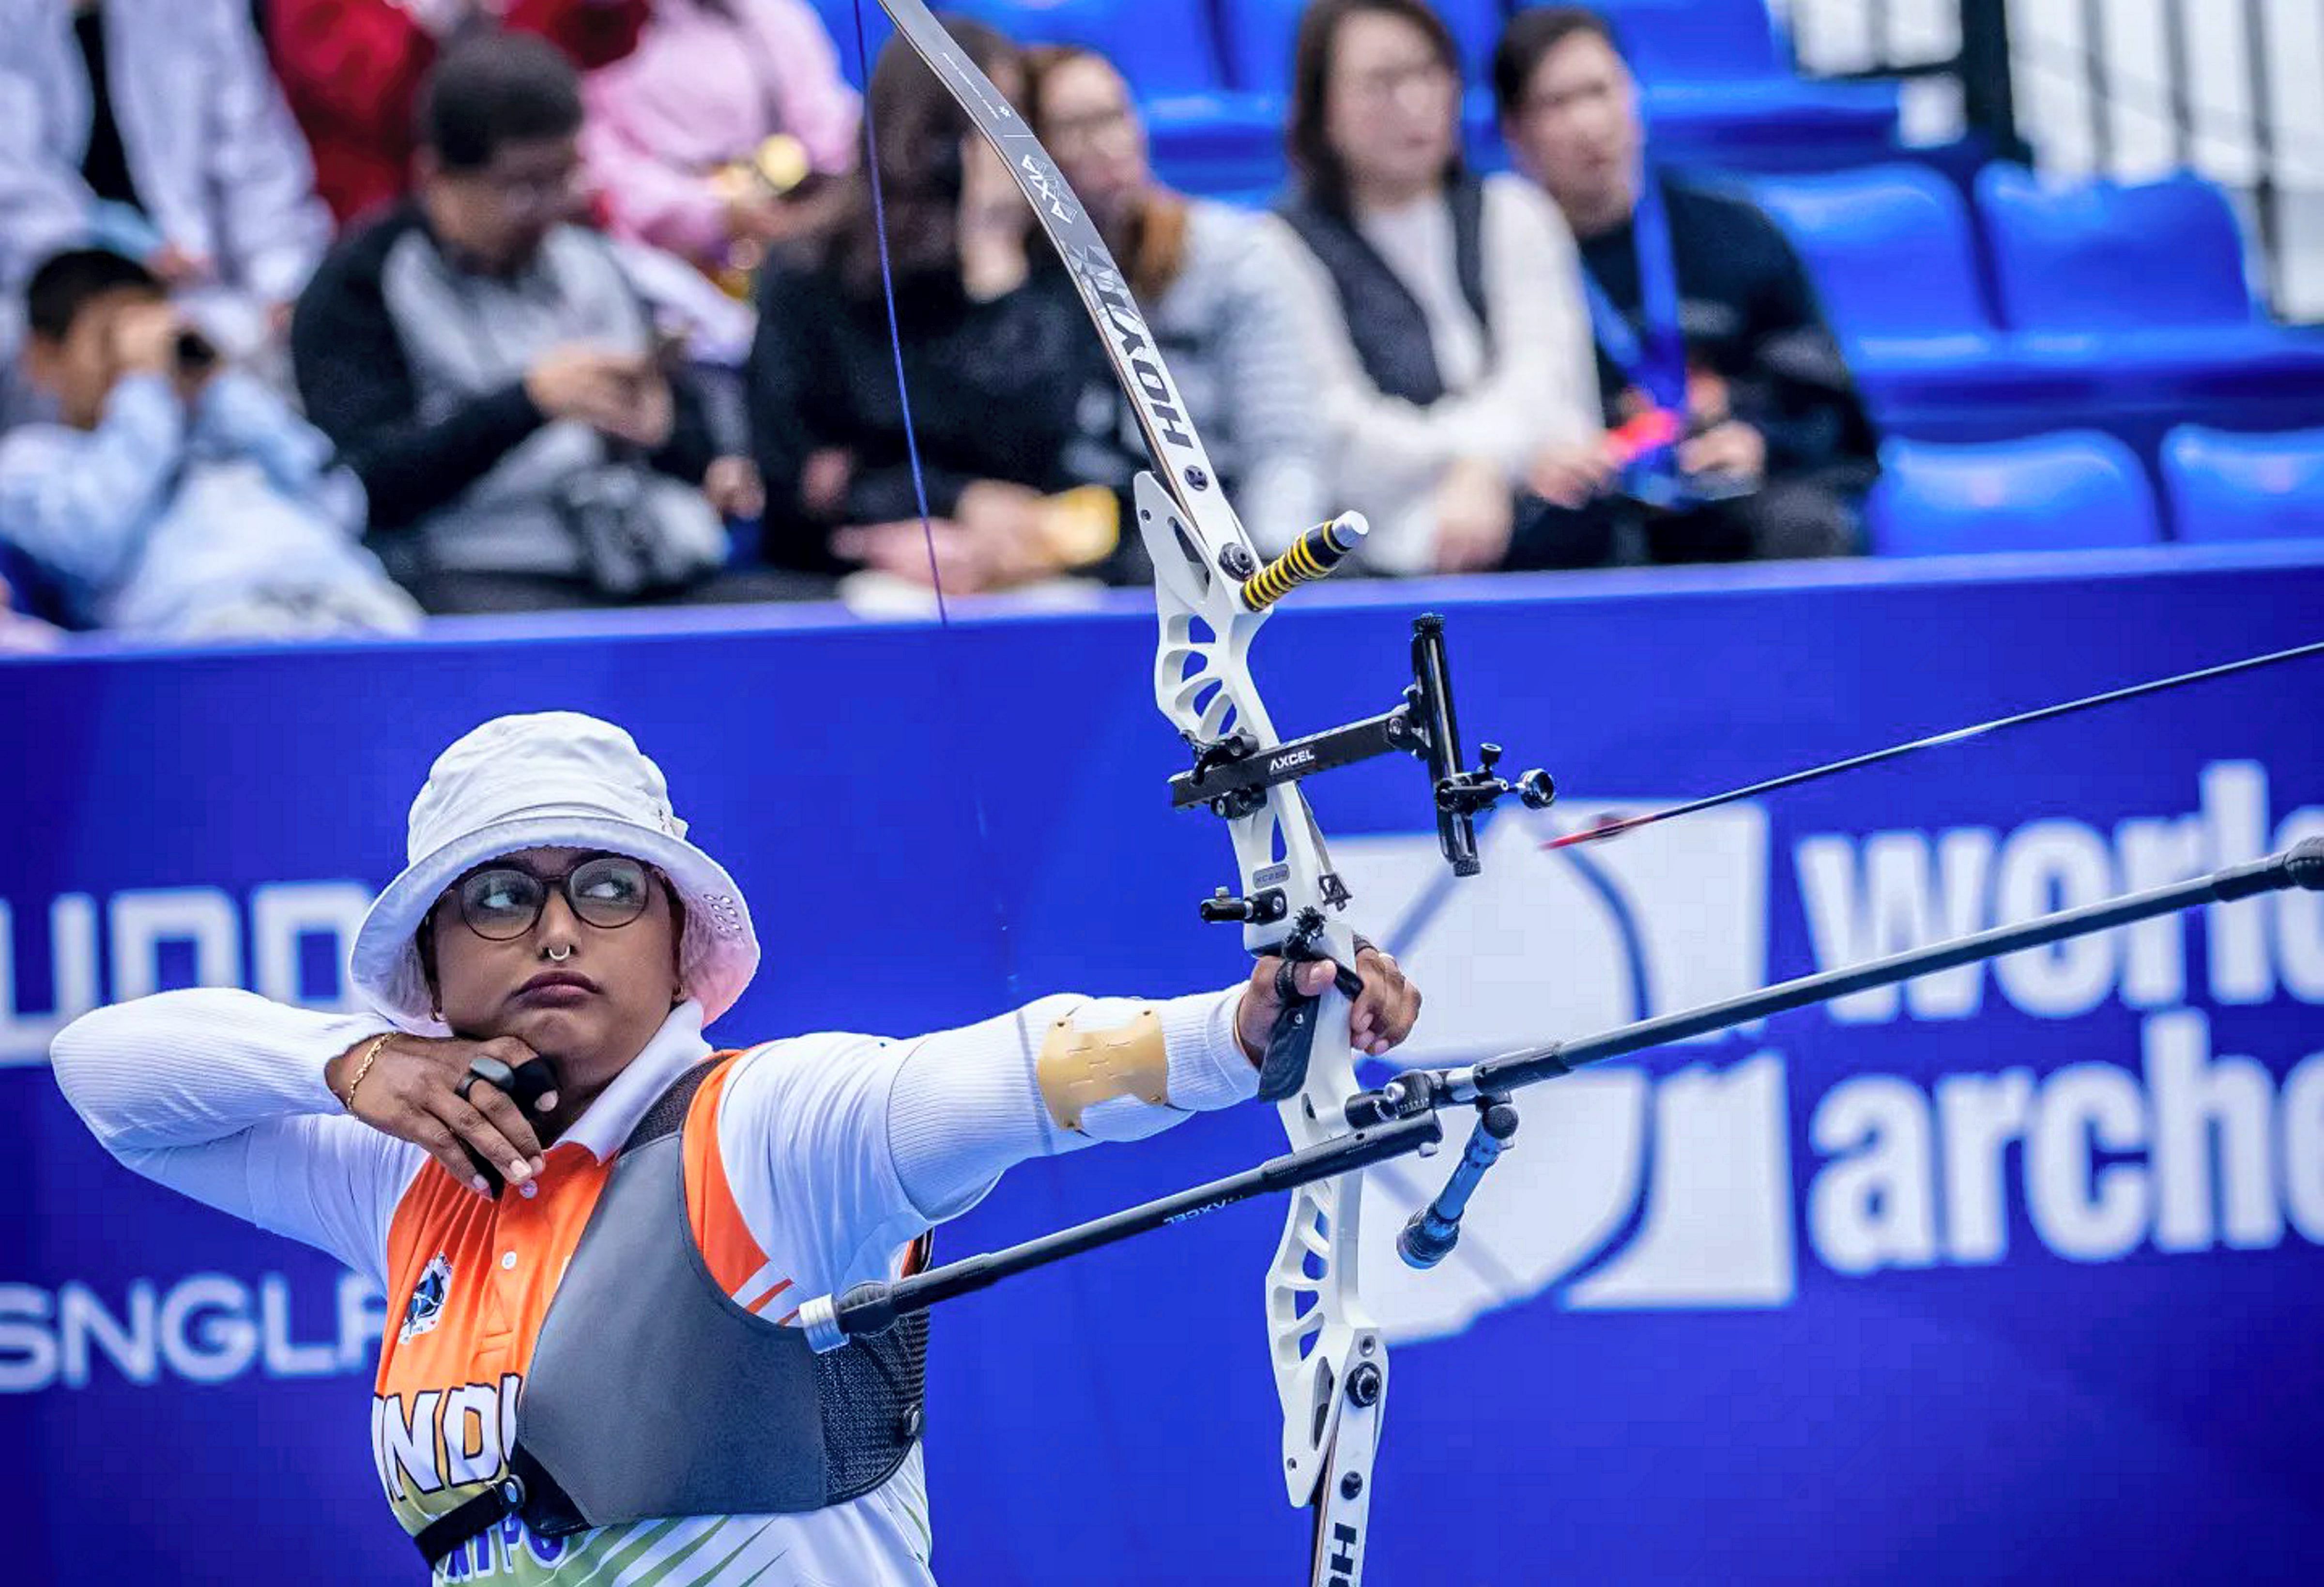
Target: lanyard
x,y
1655,364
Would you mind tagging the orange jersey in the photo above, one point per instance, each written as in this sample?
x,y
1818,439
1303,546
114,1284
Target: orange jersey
x,y
469,1280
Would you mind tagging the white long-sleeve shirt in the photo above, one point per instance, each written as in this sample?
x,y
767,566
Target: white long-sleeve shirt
x,y
1537,388
833,1151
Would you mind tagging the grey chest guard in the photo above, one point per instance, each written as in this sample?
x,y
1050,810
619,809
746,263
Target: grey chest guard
x,y
651,1393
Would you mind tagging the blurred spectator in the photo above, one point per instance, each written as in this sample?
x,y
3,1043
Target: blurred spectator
x,y
176,496
1738,431
1216,291
718,138
998,359
526,438
152,127
22,635
352,70
22,630
1447,310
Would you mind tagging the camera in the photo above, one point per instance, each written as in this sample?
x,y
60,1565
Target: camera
x,y
196,353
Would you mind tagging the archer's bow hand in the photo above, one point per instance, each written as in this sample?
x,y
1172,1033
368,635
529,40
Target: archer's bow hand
x,y
1382,1015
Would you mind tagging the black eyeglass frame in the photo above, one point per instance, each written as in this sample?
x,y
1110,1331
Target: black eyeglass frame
x,y
458,893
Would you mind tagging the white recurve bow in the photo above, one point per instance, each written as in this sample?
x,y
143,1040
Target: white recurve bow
x,y
1212,594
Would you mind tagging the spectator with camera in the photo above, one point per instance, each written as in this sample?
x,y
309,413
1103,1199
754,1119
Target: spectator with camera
x,y
1734,428
527,438
997,358
1445,311
175,495
154,128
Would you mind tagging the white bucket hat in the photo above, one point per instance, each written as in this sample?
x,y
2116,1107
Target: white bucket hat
x,y
554,780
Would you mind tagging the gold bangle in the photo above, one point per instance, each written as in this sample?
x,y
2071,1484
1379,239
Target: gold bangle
x,y
363,1067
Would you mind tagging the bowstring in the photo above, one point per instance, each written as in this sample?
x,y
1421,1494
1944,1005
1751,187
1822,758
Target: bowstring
x,y
895,329
1011,980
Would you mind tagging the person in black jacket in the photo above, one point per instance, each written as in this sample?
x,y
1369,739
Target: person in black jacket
x,y
525,437
1009,395
1735,430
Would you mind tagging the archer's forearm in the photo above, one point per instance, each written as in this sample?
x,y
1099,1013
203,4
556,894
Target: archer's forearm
x,y
1053,1076
185,1069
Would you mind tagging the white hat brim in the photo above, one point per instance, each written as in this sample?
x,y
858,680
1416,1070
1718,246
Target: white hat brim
x,y
718,957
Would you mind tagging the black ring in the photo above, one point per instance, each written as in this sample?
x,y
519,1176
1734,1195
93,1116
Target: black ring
x,y
1363,943
1286,983
490,1071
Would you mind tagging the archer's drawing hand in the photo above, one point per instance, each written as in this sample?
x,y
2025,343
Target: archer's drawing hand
x,y
1382,1016
412,1092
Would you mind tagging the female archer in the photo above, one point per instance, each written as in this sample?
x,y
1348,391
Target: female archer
x,y
591,1228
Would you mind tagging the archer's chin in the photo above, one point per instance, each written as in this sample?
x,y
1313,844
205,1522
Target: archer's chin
x,y
576,1027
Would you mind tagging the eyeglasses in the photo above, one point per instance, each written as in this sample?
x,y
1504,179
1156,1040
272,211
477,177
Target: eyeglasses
x,y
502,902
535,191
1074,133
1432,77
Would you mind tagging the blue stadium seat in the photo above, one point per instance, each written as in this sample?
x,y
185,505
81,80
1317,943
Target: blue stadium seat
x,y
2107,256
1697,40
1719,88
1852,228
2144,287
2224,486
1163,46
2073,490
839,18
1894,262
1204,137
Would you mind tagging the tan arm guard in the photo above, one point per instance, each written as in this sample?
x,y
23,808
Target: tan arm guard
x,y
1080,1072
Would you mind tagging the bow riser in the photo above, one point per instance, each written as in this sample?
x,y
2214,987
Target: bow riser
x,y
1316,1332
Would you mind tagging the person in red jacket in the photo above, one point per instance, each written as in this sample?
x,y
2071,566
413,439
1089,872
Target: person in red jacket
x,y
351,70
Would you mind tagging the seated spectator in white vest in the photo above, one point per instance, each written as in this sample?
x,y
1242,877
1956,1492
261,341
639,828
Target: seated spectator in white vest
x,y
1738,431
154,128
718,137
175,497
1446,310
526,436
1215,288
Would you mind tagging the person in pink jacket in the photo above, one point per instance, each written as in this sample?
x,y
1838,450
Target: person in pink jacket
x,y
672,127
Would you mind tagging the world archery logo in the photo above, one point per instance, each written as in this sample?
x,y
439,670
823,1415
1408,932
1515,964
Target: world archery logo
x,y
2116,1127
426,1307
1627,1188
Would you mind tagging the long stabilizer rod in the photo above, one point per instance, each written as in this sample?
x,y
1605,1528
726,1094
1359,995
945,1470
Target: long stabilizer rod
x,y
1400,1119
874,1308
2301,866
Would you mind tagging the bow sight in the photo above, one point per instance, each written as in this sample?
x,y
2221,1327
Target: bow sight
x,y
1232,776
